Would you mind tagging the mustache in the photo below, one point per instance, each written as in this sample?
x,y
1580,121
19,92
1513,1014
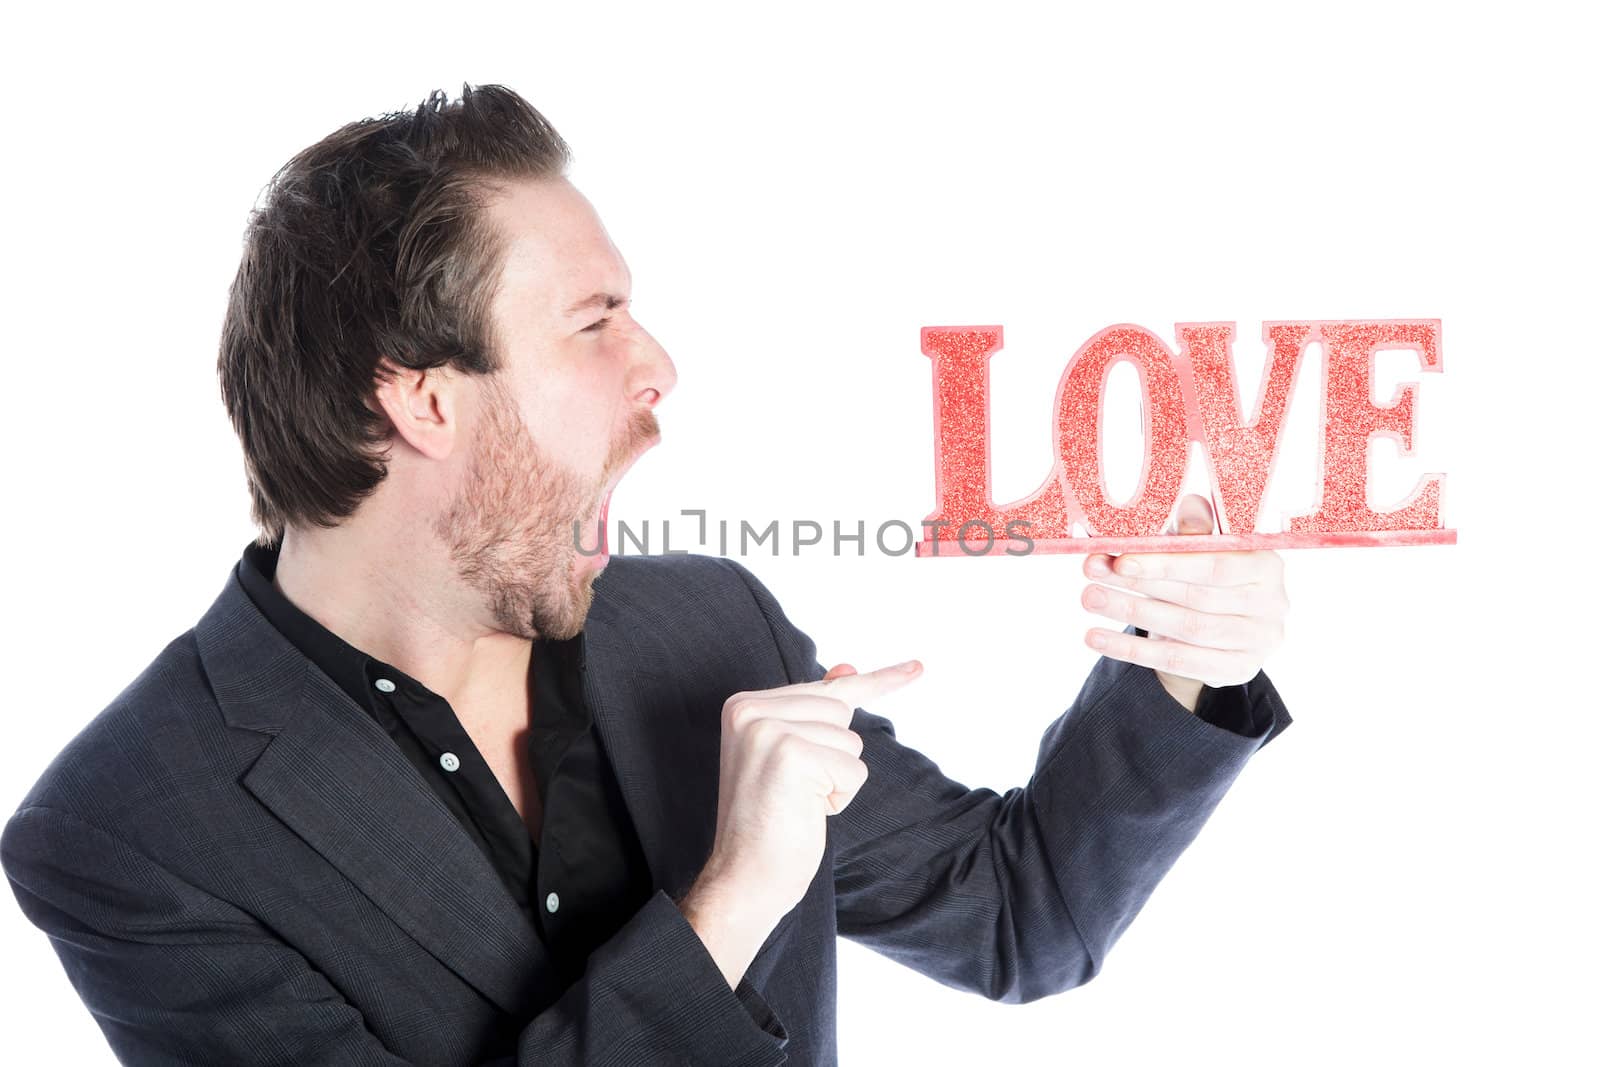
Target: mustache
x,y
642,430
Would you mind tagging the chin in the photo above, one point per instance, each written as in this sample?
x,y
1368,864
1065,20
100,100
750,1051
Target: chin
x,y
574,613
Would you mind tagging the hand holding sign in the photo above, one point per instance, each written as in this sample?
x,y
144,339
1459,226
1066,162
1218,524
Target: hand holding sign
x,y
1213,617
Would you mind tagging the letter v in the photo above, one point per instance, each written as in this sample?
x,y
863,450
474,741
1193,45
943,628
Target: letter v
x,y
1241,453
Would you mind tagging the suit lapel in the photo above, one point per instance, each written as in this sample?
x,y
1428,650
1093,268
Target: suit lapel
x,y
333,776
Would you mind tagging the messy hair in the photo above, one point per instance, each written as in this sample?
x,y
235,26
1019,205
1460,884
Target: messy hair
x,y
374,242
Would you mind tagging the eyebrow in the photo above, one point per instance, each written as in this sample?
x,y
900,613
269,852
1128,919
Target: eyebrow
x,y
609,300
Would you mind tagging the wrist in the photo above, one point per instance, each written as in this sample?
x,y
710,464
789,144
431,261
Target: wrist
x,y
731,924
727,902
1185,691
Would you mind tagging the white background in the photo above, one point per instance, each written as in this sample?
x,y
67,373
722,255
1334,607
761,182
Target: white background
x,y
1403,876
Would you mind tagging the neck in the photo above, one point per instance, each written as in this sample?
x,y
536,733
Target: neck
x,y
398,599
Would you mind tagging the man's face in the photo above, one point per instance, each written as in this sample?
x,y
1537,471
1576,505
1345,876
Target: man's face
x,y
552,433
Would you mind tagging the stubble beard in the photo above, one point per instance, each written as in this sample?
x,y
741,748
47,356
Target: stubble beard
x,y
509,530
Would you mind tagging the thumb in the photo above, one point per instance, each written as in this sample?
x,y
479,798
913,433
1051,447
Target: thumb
x,y
1194,515
838,670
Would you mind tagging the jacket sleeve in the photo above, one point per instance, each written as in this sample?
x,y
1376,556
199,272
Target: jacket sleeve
x,y
1232,706
175,975
1019,895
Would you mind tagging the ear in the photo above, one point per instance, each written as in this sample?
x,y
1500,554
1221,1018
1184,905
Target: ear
x,y
423,406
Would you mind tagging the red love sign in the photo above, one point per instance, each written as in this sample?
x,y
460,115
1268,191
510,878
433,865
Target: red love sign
x,y
1189,395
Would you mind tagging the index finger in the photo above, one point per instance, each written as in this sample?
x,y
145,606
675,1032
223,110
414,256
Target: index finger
x,y
857,689
1209,568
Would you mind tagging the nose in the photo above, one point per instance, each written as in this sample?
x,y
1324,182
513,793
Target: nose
x,y
654,374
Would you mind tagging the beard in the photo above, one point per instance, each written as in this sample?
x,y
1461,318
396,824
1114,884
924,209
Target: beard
x,y
511,528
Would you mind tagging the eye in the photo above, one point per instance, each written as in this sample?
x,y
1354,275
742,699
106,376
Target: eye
x,y
597,325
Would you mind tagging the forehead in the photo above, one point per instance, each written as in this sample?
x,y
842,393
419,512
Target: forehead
x,y
556,248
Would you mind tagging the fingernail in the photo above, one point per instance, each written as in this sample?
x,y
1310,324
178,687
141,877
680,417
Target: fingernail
x,y
1098,566
1128,566
908,666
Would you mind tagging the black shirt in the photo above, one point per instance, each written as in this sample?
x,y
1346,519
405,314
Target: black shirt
x,y
587,876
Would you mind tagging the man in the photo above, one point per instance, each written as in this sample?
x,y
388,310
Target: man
x,y
431,782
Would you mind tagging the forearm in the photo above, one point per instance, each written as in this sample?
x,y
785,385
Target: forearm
x,y
1022,895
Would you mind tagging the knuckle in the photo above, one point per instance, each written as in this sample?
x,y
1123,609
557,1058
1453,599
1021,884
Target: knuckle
x,y
736,711
788,746
765,730
1174,659
1194,625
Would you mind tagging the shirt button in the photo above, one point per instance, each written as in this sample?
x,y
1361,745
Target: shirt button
x,y
449,761
384,685
551,903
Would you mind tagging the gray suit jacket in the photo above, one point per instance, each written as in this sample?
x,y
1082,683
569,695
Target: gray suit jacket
x,y
237,866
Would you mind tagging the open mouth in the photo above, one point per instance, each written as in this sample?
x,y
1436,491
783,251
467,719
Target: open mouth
x,y
604,554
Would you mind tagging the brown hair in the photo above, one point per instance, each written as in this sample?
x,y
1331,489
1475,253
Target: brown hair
x,y
371,242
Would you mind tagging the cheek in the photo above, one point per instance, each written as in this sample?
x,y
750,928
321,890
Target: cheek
x,y
577,418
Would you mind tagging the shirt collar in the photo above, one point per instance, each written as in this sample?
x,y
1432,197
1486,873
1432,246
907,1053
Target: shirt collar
x,y
338,659
351,669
